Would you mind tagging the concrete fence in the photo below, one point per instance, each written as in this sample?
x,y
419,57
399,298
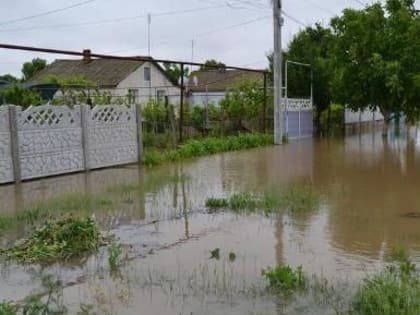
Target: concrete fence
x,y
49,140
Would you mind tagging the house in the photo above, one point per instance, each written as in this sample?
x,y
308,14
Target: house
x,y
132,80
209,86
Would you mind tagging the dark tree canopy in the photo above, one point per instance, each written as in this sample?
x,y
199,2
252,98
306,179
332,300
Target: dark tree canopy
x,y
8,78
173,71
212,64
377,57
31,67
310,46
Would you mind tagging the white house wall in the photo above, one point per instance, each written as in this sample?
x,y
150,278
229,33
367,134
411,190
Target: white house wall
x,y
352,117
158,82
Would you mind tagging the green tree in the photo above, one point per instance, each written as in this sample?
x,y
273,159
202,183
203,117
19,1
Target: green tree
x,y
244,101
212,64
173,71
313,46
377,53
8,78
30,68
75,90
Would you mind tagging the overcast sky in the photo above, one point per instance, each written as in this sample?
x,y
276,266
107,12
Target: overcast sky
x,y
237,32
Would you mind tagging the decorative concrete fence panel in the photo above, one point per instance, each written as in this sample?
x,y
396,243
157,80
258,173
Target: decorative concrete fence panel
x,y
111,136
6,161
49,141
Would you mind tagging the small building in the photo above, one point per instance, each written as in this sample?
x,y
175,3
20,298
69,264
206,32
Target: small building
x,y
209,86
137,81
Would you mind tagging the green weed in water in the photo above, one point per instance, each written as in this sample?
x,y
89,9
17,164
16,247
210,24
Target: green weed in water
x,y
292,199
153,158
217,203
215,254
57,240
389,293
7,308
285,279
398,253
232,256
114,256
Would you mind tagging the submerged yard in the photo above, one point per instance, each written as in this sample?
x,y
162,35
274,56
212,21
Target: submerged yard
x,y
312,227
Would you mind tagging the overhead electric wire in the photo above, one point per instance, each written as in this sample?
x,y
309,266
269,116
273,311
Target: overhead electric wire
x,y
113,20
290,17
45,13
218,30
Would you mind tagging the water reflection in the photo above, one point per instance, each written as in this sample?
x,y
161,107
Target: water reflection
x,y
367,186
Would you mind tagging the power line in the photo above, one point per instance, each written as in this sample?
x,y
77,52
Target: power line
x,y
165,42
46,13
290,17
113,20
232,26
360,2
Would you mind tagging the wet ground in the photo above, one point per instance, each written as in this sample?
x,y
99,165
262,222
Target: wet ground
x,y
369,204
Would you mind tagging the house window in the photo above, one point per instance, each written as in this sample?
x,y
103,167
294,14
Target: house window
x,y
160,95
133,96
146,73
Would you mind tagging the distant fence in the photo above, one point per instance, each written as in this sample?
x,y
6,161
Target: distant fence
x,y
50,140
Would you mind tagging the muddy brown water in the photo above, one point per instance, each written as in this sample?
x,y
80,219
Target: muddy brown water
x,y
369,204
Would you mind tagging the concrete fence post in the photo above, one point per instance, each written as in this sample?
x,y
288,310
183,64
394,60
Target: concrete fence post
x,y
84,115
14,142
139,124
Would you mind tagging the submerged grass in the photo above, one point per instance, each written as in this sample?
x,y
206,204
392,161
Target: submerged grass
x,y
7,308
57,240
284,279
207,146
293,199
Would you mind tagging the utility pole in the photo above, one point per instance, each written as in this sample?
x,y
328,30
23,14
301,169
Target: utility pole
x,y
192,50
277,71
149,23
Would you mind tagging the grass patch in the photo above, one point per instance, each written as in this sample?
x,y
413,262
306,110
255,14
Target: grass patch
x,y
389,293
217,203
284,279
294,199
299,199
57,240
207,146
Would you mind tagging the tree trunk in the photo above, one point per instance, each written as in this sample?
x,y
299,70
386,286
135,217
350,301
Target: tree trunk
x,y
387,120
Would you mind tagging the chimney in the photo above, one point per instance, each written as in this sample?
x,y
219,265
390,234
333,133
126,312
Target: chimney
x,y
86,56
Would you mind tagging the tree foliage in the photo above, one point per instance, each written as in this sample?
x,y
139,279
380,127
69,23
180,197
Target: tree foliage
x,y
18,95
244,101
312,46
173,71
212,64
30,68
377,53
8,78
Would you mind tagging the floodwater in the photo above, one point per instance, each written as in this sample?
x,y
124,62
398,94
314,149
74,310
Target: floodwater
x,y
369,204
